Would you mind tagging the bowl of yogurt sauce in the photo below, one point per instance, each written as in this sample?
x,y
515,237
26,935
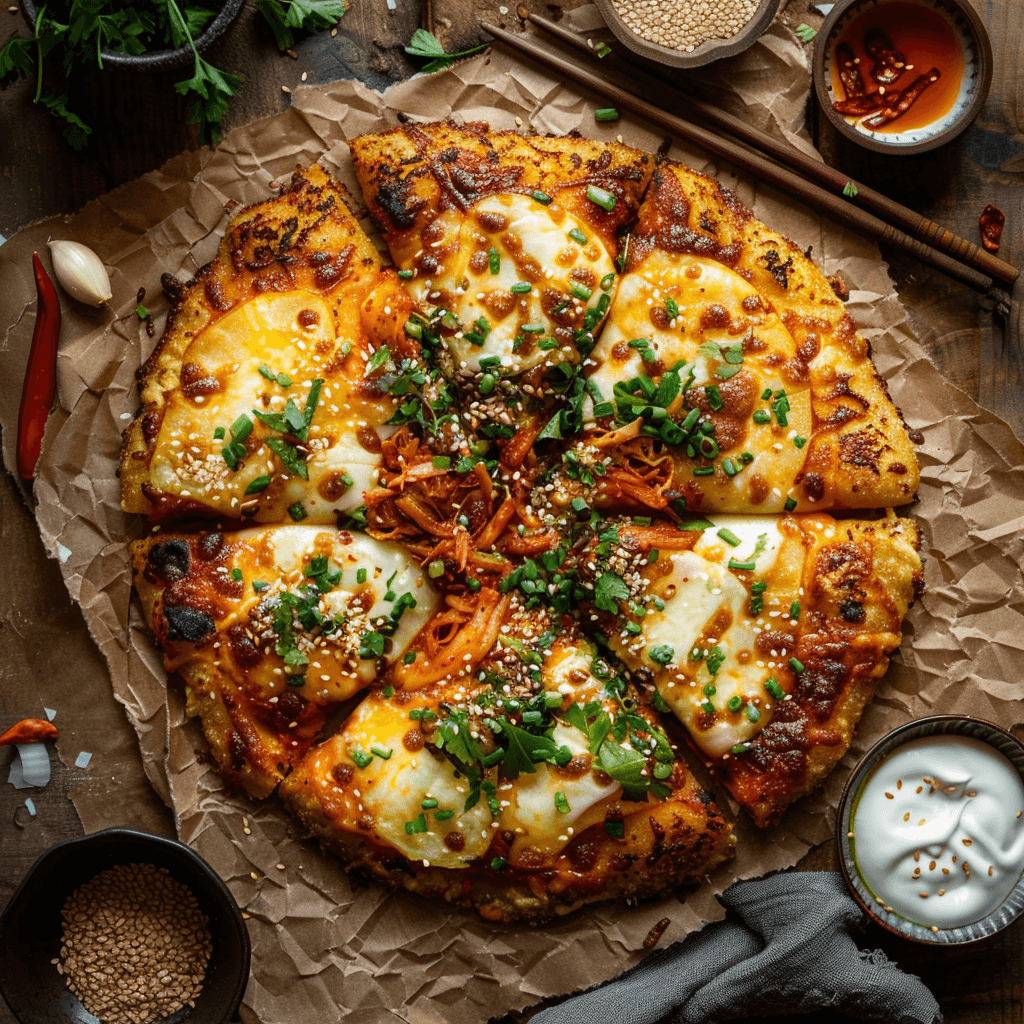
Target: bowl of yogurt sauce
x,y
930,832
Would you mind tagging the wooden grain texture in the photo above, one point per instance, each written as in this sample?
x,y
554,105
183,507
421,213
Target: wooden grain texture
x,y
142,126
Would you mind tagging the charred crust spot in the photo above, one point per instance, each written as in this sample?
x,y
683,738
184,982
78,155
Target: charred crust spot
x,y
187,623
862,448
852,611
777,268
823,679
169,560
151,427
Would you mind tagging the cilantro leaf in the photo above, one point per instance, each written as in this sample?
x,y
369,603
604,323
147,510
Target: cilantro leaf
x,y
524,749
609,589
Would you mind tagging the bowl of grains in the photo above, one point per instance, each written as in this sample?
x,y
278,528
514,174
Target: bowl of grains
x,y
688,33
124,927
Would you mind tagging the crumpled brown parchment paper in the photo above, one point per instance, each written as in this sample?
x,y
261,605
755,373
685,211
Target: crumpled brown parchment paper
x,y
323,948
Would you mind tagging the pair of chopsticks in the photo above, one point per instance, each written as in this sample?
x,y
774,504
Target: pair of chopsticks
x,y
789,170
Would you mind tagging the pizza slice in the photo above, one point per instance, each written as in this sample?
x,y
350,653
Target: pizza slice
x,y
265,399
271,628
729,378
515,237
542,783
766,636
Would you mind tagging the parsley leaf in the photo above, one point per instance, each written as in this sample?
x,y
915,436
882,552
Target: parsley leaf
x,y
625,765
308,15
423,44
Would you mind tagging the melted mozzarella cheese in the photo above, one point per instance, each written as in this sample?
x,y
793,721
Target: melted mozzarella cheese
x,y
707,612
695,285
371,572
532,812
533,248
296,338
392,791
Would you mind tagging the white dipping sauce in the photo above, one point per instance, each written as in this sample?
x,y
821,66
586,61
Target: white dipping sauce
x,y
938,835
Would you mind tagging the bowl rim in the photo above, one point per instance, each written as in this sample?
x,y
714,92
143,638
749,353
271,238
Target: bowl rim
x,y
112,836
708,51
158,60
985,65
973,728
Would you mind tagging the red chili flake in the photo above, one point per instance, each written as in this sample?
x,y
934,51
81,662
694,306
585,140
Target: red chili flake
x,y
889,62
655,934
849,71
29,730
904,100
991,222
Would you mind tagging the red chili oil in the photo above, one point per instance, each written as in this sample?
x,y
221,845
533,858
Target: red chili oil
x,y
925,40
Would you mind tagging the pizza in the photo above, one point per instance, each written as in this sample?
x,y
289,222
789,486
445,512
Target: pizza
x,y
588,495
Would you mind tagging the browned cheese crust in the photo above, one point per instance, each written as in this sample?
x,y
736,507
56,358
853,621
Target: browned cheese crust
x,y
294,281
748,290
664,844
857,588
413,174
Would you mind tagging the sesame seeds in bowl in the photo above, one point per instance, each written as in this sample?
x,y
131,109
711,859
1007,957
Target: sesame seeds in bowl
x,y
68,929
688,33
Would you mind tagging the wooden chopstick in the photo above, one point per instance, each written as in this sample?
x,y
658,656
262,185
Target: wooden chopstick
x,y
754,163
899,216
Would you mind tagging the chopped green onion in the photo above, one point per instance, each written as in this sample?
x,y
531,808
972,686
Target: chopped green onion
x,y
577,236
790,504
581,291
602,197
730,467
703,470
521,287
799,441
607,281
297,512
541,197
236,575
663,654
408,658
384,753
418,824
715,399
772,686
603,50
745,566
762,416
405,274
361,758
734,703
261,483
429,804
796,665
753,714
494,260
561,803
606,114
794,610
729,537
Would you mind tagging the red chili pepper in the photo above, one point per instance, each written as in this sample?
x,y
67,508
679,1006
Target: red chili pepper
x,y
991,222
29,730
40,387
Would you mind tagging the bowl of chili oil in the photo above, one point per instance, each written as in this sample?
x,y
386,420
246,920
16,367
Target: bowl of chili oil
x,y
906,75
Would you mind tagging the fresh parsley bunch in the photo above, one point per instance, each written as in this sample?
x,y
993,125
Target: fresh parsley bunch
x,y
82,29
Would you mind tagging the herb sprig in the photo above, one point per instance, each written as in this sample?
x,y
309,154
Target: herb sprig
x,y
84,29
424,44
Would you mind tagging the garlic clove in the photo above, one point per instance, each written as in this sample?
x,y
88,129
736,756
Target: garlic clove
x,y
80,272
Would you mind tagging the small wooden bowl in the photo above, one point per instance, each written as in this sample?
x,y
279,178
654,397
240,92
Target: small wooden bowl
x,y
977,76
712,49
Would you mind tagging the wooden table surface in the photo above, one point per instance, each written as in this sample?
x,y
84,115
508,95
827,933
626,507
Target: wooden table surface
x,y
140,124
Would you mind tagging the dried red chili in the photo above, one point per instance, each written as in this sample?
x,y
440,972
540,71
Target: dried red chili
x,y
29,730
40,386
991,222
889,62
858,106
655,934
849,71
904,100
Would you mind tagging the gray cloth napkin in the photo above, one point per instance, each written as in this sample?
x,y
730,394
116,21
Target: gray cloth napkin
x,y
785,948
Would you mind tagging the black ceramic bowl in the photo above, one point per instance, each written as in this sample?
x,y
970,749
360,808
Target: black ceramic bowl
x,y
939,725
30,927
159,60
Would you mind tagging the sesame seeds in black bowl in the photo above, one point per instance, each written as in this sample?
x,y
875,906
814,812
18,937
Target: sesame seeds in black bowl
x,y
124,926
